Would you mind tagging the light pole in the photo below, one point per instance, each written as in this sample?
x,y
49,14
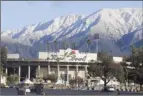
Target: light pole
x,y
88,50
65,46
48,48
96,38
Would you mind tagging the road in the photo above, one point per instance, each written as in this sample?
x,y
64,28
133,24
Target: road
x,y
13,91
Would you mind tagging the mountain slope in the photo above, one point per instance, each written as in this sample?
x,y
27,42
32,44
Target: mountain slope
x,y
117,28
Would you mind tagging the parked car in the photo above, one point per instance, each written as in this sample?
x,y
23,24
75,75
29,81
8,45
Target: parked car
x,y
33,88
83,88
12,86
109,89
23,89
40,89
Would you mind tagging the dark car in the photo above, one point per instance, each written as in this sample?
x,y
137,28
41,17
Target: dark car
x,y
12,86
33,88
23,89
109,89
39,88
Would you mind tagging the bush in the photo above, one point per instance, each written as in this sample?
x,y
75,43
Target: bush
x,y
77,80
12,79
51,77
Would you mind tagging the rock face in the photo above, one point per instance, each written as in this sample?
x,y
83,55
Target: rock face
x,y
117,29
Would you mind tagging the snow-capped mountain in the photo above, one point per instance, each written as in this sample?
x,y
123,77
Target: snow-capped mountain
x,y
117,29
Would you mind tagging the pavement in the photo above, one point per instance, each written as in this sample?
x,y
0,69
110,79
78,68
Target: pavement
x,y
48,92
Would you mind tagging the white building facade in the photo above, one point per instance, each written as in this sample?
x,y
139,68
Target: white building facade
x,y
69,56
65,63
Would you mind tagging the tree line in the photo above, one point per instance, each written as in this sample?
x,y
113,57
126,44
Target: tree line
x,y
124,72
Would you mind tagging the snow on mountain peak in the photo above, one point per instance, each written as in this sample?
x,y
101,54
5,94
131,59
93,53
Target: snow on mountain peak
x,y
112,25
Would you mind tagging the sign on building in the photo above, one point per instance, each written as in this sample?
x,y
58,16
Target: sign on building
x,y
13,56
68,55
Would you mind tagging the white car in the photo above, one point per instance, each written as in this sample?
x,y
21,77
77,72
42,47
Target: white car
x,y
111,89
27,90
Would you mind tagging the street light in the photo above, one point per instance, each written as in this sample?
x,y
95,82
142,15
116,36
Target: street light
x,y
96,38
48,48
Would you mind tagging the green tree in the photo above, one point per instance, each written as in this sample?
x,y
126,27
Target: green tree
x,y
72,82
105,68
12,79
137,65
3,58
78,80
3,54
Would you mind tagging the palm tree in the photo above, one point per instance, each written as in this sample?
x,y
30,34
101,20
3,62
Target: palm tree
x,y
55,42
74,45
65,46
88,49
57,59
48,48
88,43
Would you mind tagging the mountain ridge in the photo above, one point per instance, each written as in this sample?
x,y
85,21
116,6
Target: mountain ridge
x,y
113,25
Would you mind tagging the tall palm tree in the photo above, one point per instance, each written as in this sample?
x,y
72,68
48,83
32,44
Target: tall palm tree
x,y
65,45
74,45
88,44
55,42
57,59
88,49
48,49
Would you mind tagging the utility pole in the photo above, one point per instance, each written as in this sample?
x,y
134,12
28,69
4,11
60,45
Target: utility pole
x,y
97,41
48,48
96,38
97,46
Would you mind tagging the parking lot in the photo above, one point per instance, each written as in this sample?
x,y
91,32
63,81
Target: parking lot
x,y
13,91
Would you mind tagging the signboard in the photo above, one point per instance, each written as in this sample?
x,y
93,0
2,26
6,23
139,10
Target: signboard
x,y
68,56
13,56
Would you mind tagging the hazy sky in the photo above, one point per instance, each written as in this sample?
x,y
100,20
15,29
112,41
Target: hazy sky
x,y
17,14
